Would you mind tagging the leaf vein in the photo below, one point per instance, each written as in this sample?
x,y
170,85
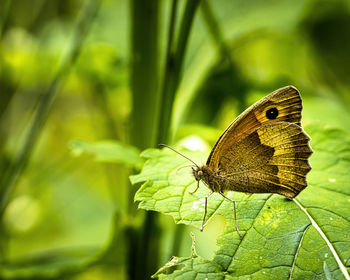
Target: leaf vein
x,y
334,252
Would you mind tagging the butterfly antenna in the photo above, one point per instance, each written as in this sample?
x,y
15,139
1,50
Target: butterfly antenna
x,y
163,145
181,167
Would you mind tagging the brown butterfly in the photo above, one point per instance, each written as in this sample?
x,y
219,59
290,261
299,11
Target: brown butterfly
x,y
264,150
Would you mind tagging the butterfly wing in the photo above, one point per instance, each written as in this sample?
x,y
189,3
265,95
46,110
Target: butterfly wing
x,y
264,153
287,102
271,159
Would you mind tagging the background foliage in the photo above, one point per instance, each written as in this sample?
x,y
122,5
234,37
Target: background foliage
x,y
86,85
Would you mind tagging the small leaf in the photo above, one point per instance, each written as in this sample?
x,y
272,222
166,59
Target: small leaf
x,y
283,238
109,151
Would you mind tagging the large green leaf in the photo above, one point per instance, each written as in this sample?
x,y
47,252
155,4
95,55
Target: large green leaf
x,y
308,238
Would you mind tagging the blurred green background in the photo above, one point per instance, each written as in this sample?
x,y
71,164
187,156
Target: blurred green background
x,y
140,73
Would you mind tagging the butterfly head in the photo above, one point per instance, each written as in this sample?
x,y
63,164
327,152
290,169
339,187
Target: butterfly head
x,y
197,173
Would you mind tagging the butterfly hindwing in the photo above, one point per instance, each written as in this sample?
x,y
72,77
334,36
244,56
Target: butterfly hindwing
x,y
271,159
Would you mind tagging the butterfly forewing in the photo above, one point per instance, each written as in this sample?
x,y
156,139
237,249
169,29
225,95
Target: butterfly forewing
x,y
285,100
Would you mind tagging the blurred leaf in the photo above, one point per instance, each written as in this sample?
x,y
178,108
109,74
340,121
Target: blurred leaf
x,y
50,264
238,20
278,237
324,26
109,151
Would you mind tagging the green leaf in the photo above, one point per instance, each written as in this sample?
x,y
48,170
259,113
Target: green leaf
x,y
109,151
50,264
306,238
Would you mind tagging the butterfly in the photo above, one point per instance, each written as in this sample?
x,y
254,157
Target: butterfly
x,y
264,150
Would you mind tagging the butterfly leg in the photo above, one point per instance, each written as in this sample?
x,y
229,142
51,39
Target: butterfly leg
x,y
234,209
205,209
195,189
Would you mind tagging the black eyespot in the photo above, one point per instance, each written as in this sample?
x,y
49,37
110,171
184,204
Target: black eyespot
x,y
272,113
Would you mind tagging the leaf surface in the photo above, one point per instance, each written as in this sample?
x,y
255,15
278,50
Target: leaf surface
x,y
304,239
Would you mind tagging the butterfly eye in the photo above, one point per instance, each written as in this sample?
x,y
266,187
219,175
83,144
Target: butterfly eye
x,y
272,113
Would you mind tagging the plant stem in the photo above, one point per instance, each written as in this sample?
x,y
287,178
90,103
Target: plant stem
x,y
172,76
144,245
173,67
167,73
144,73
147,104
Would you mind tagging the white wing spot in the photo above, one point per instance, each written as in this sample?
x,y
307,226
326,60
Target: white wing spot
x,y
332,180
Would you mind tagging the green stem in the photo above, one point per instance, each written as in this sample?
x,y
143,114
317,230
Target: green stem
x,y
173,67
172,76
144,245
147,105
144,72
167,73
